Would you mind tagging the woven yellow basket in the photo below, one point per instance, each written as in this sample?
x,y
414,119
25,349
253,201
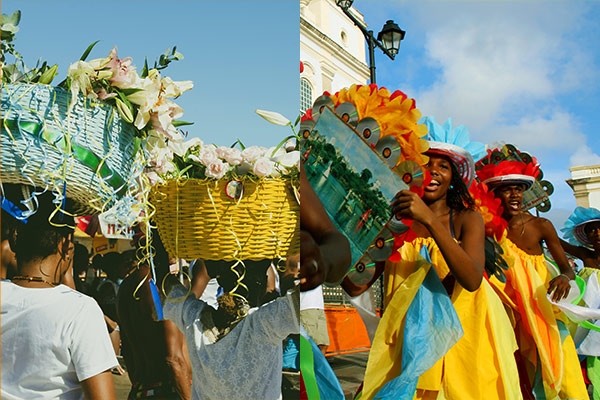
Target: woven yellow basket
x,y
197,219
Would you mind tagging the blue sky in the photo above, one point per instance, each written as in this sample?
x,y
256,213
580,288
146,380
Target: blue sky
x,y
241,55
525,73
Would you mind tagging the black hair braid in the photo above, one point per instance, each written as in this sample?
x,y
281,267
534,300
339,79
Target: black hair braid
x,y
459,198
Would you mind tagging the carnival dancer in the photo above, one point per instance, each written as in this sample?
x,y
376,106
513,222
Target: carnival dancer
x,y
581,232
448,237
545,347
54,342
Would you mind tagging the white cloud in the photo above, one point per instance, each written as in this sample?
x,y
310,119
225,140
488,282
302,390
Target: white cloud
x,y
523,72
539,133
584,156
497,57
510,71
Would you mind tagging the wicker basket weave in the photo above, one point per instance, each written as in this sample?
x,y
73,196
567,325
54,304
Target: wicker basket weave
x,y
42,144
196,219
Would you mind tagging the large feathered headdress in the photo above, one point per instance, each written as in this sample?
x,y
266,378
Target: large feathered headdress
x,y
455,144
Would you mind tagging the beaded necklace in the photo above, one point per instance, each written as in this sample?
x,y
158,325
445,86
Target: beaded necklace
x,y
32,279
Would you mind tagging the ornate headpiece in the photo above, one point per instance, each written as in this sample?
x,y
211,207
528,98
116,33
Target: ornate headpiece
x,y
509,166
454,144
574,228
508,172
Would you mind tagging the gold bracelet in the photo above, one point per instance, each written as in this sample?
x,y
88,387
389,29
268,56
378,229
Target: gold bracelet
x,y
566,276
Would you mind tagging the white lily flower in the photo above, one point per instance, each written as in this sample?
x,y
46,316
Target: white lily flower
x,y
289,160
79,73
181,148
273,117
175,89
99,63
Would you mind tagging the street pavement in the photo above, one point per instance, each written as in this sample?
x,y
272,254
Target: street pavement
x,y
350,370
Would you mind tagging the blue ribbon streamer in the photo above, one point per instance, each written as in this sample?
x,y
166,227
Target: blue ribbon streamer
x,y
156,299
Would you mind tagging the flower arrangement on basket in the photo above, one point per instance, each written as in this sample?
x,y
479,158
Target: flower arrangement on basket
x,y
224,203
81,138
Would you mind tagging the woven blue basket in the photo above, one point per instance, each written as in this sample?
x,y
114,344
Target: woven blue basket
x,y
88,151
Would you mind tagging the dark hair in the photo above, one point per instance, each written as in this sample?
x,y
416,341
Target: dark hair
x,y
44,230
228,280
110,263
9,225
97,261
458,197
81,258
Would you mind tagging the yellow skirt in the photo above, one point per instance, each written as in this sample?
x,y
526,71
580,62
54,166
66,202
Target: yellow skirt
x,y
535,324
481,365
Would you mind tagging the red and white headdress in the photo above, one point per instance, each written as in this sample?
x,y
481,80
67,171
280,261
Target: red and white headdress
x,y
508,172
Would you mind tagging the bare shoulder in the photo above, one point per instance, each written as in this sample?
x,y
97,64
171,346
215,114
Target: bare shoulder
x,y
542,223
469,221
468,216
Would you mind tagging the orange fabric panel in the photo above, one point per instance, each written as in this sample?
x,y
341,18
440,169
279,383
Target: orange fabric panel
x,y
347,332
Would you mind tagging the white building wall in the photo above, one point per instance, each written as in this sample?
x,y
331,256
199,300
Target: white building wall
x,y
585,182
332,48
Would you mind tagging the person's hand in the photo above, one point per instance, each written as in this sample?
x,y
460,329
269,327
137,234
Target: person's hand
x,y
407,204
313,269
560,286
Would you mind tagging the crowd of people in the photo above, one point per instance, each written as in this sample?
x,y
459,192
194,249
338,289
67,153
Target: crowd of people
x,y
177,339
216,329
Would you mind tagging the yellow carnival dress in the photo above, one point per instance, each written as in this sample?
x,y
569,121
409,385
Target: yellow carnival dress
x,y
544,351
481,365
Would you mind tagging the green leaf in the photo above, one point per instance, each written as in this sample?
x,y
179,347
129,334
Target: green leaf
x,y
130,91
137,143
144,72
87,51
11,73
177,123
281,144
238,142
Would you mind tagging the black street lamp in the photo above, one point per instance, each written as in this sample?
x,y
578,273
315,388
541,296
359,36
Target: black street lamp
x,y
388,40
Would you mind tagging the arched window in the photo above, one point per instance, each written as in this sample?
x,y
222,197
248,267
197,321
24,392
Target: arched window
x,y
305,95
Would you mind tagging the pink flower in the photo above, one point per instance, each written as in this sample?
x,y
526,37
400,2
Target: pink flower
x,y
253,153
103,94
264,167
123,72
154,178
232,155
208,155
216,169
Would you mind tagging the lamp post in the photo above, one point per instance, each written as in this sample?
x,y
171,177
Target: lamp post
x,y
388,40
